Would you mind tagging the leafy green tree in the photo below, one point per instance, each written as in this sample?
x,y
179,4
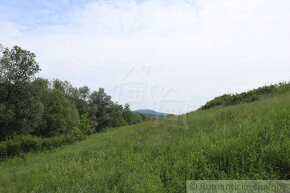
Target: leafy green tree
x,y
105,112
81,101
101,108
84,126
79,96
17,66
20,108
84,93
60,114
132,117
117,119
66,87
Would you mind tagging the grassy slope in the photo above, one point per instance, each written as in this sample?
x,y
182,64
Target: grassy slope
x,y
246,141
249,96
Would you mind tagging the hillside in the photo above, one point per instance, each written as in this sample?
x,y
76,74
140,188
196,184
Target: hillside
x,y
151,112
243,141
247,97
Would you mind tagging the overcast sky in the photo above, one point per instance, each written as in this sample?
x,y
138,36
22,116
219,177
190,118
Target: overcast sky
x,y
170,56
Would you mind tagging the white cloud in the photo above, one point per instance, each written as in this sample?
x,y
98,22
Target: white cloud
x,y
202,49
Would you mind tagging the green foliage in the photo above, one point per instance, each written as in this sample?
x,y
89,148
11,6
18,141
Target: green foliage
x,y
245,141
43,108
13,147
106,113
132,117
57,141
102,108
246,97
28,143
118,120
60,114
17,66
239,140
3,150
20,108
83,126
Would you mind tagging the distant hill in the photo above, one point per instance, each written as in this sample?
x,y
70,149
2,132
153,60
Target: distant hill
x,y
152,113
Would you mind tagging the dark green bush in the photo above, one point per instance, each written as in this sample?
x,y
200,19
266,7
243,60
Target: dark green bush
x,y
13,148
47,144
245,97
3,150
30,143
23,144
58,141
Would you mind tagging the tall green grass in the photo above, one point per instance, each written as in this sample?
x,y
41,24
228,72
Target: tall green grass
x,y
245,141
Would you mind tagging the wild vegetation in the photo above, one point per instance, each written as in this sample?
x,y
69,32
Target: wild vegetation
x,y
34,108
243,141
246,97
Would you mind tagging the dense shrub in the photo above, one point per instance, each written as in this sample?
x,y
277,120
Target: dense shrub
x,y
47,144
3,150
29,143
23,144
83,126
13,147
245,97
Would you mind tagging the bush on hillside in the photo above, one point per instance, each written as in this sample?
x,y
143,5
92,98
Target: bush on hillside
x,y
29,143
245,97
3,150
13,148
23,144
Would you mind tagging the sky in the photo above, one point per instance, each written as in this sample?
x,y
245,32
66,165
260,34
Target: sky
x,y
171,56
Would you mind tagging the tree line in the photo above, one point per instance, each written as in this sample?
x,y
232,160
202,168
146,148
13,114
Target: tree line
x,y
31,105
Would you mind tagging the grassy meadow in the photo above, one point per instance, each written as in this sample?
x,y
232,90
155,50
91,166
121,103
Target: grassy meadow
x,y
244,141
